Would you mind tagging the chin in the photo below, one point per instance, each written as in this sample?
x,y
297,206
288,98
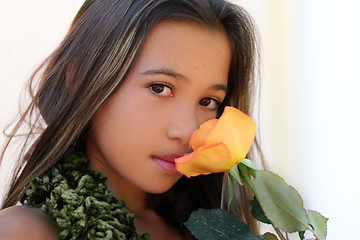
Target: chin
x,y
159,188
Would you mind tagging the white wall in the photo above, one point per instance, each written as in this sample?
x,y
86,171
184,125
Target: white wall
x,y
329,110
310,109
29,31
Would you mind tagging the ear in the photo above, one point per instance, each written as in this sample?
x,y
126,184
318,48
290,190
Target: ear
x,y
70,75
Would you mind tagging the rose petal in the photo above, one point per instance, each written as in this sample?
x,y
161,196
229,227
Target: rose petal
x,y
198,138
236,130
208,159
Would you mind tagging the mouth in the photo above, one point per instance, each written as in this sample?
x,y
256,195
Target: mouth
x,y
166,163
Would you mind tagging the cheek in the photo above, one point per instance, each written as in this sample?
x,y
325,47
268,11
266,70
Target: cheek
x,y
134,123
133,118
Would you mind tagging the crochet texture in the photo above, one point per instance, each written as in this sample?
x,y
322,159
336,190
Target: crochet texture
x,y
78,200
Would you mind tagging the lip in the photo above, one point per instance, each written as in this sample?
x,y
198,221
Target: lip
x,y
166,163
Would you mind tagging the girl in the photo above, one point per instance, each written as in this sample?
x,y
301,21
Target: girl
x,y
128,85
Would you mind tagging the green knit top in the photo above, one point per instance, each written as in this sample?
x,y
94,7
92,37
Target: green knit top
x,y
78,200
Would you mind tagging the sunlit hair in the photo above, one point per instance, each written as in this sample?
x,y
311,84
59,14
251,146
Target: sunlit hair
x,y
90,64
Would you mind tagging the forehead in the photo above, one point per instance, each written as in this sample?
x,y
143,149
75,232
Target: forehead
x,y
186,30
185,46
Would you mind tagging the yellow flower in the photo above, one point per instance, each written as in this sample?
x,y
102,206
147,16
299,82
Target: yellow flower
x,y
218,144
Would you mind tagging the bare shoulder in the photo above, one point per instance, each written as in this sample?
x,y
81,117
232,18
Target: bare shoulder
x,y
23,222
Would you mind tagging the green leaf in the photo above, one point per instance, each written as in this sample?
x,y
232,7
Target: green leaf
x,y
217,224
280,202
302,235
248,163
231,189
270,236
318,222
234,171
245,177
257,212
250,166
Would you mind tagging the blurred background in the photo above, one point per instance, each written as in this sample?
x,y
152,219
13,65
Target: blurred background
x,y
309,113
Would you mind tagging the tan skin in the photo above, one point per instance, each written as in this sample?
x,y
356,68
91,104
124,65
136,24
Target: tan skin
x,y
175,85
22,222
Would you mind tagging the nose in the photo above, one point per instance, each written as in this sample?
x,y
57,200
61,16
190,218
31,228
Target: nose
x,y
184,122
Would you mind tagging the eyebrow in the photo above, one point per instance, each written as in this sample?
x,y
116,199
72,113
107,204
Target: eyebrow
x,y
172,73
221,87
164,71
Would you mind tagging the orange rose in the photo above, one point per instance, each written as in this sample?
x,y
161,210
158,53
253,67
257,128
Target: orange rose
x,y
218,144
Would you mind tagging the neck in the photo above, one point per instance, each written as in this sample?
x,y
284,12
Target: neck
x,y
134,198
146,221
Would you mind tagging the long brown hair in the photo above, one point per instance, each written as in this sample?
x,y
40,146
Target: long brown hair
x,y
99,49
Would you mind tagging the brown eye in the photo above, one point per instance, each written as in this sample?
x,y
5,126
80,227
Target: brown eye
x,y
210,103
157,88
205,101
161,90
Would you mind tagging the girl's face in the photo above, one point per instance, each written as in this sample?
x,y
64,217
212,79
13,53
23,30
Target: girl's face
x,y
176,84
